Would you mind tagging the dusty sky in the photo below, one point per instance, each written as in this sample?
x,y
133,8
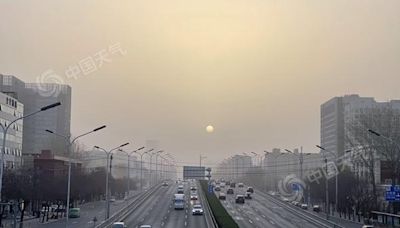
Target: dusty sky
x,y
257,70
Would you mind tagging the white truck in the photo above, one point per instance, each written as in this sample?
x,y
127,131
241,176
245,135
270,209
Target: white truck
x,y
179,201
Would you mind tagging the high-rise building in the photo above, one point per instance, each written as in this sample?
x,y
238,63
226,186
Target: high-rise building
x,y
339,112
34,96
11,109
340,115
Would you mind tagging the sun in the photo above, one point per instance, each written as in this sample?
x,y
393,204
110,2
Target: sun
x,y
210,129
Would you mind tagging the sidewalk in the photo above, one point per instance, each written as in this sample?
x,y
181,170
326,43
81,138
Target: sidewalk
x,y
88,212
340,220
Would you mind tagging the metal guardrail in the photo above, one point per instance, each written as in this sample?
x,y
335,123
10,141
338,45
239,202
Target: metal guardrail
x,y
315,219
126,211
211,222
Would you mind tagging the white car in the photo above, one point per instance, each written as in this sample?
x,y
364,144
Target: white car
x,y
145,226
240,185
197,210
118,225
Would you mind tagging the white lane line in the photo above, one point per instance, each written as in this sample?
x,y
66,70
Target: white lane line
x,y
251,222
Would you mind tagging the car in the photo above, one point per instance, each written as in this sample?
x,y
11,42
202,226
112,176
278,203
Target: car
x,y
250,189
165,184
239,199
367,226
284,199
248,195
222,196
228,183
230,191
118,225
193,188
74,212
316,208
194,197
145,226
197,210
233,185
240,185
217,189
295,203
112,199
304,206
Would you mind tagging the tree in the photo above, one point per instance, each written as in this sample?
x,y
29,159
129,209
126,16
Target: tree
x,y
385,120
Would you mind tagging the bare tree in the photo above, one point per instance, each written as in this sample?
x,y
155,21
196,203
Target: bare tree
x,y
385,121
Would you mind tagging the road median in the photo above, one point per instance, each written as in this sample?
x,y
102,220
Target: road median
x,y
222,217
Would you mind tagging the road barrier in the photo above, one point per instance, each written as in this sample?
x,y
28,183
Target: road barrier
x,y
222,217
210,219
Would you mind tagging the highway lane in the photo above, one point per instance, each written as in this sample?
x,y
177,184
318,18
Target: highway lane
x,y
258,212
151,210
179,218
158,211
197,221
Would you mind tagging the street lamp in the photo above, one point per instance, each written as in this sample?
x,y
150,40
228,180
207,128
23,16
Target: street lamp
x,y
327,211
129,167
69,151
157,155
301,161
5,129
141,165
108,153
276,168
151,163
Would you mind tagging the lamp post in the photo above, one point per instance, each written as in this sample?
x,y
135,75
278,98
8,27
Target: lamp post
x,y
276,170
151,162
157,155
141,165
301,161
129,168
70,143
336,176
326,182
4,131
108,153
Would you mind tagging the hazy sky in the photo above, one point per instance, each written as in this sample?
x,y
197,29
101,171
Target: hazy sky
x,y
257,70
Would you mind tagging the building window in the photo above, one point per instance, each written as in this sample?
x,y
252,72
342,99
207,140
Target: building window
x,y
7,80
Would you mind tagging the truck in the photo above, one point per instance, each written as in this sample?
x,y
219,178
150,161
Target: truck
x,y
179,201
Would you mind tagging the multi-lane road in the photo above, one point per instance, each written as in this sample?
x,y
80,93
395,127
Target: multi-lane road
x,y
265,211
158,211
262,213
